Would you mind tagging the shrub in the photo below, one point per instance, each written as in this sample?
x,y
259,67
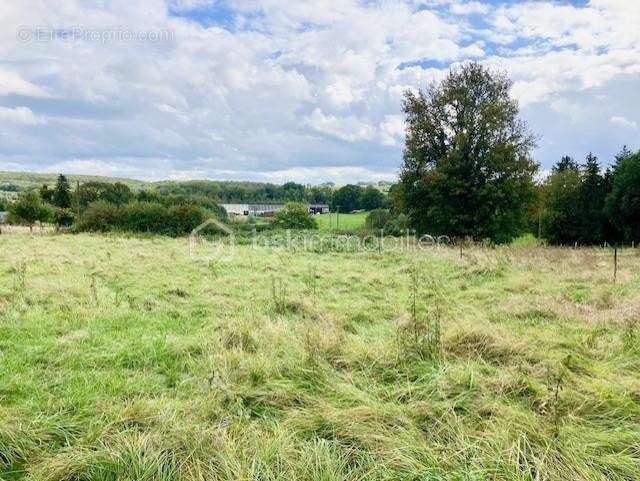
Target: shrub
x,y
295,215
397,225
144,217
184,218
377,219
99,217
63,217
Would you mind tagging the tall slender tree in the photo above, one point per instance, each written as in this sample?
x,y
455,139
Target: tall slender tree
x,y
62,193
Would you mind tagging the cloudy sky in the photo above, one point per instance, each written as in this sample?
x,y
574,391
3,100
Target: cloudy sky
x,y
304,90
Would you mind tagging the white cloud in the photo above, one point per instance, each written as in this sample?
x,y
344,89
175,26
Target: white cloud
x,y
291,88
624,122
349,128
469,8
13,83
20,115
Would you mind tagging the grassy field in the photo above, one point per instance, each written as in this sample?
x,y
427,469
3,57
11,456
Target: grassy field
x,y
342,221
124,359
32,180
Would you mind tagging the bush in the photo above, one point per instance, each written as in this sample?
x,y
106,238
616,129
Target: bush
x,y
184,218
295,215
144,217
377,219
63,217
99,217
398,225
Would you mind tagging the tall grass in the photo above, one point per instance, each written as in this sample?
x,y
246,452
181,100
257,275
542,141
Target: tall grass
x,y
126,360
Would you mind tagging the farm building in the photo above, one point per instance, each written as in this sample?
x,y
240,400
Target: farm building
x,y
3,217
268,209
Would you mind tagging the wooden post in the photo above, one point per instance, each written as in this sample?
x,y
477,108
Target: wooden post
x,y
539,224
78,198
615,265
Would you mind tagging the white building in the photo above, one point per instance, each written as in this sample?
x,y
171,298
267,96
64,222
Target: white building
x,y
267,209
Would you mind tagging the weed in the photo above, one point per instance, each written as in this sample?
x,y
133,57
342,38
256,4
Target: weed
x,y
630,335
20,278
555,384
278,296
311,283
421,335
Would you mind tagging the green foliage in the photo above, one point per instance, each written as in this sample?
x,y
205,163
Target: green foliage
x,y
347,198
562,196
113,193
169,200
467,169
295,215
372,199
151,217
62,193
184,218
99,217
29,209
232,191
377,219
46,194
623,203
63,217
144,217
585,205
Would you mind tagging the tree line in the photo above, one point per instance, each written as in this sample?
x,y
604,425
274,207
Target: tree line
x,y
103,206
173,209
583,204
347,198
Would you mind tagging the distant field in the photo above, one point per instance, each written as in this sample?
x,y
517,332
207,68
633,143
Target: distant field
x,y
123,359
341,221
29,180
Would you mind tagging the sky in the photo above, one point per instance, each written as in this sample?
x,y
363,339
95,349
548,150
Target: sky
x,y
296,90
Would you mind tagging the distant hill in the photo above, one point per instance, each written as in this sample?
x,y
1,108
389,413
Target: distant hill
x,y
11,183
30,180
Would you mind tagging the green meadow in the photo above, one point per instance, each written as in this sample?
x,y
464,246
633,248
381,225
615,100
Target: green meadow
x,y
336,221
124,359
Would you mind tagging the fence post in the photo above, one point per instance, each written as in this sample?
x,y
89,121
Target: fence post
x,y
615,265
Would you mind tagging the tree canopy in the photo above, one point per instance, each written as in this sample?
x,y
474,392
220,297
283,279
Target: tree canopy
x,y
467,169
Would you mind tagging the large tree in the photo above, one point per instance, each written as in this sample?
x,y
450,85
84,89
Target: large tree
x,y
372,199
29,209
467,168
623,203
62,193
593,192
347,198
562,198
